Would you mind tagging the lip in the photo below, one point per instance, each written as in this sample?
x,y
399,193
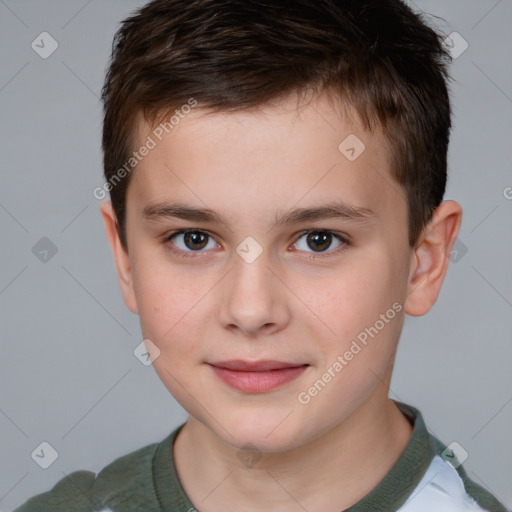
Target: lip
x,y
254,366
257,376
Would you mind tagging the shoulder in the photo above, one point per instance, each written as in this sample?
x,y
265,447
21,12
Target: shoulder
x,y
447,488
453,470
442,483
125,484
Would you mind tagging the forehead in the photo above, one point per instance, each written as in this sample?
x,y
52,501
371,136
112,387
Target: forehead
x,y
254,163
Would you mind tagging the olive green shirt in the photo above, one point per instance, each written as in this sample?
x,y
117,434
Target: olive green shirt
x,y
146,480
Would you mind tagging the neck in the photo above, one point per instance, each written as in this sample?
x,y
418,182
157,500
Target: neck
x,y
315,477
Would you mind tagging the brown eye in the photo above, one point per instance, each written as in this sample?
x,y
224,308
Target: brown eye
x,y
190,241
321,240
195,239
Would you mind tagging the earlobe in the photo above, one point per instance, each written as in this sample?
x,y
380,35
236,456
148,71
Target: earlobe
x,y
121,257
430,259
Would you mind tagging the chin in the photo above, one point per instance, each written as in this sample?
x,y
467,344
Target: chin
x,y
262,444
268,434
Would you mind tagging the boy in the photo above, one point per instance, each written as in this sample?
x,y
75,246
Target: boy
x,y
276,174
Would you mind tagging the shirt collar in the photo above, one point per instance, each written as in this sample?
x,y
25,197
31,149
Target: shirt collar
x,y
394,489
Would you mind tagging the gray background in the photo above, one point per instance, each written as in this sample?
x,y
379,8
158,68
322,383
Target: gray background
x,y
69,375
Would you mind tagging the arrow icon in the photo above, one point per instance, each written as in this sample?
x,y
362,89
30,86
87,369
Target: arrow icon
x,y
249,249
455,44
44,45
454,454
351,147
146,352
44,250
44,455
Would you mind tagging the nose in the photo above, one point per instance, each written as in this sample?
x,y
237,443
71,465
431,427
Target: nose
x,y
254,300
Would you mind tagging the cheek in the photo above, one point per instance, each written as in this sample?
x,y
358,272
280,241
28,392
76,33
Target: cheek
x,y
168,303
356,295
348,309
169,308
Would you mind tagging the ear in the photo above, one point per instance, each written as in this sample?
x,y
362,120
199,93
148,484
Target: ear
x,y
430,258
121,258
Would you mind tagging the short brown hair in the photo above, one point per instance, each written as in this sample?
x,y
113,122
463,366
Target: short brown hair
x,y
378,56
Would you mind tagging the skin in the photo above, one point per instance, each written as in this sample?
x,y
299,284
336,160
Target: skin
x,y
283,306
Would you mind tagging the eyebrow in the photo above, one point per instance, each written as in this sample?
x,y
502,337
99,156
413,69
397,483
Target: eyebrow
x,y
338,210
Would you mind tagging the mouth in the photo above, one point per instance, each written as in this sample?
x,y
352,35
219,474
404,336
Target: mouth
x,y
257,376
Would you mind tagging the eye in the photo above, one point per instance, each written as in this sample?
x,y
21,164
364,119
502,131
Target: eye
x,y
320,240
192,240
184,243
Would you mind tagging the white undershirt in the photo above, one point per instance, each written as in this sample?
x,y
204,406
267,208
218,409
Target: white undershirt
x,y
441,489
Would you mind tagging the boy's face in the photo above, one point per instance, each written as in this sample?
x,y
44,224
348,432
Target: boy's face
x,y
228,302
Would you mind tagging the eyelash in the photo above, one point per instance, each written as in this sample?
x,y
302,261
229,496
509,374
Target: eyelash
x,y
312,256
